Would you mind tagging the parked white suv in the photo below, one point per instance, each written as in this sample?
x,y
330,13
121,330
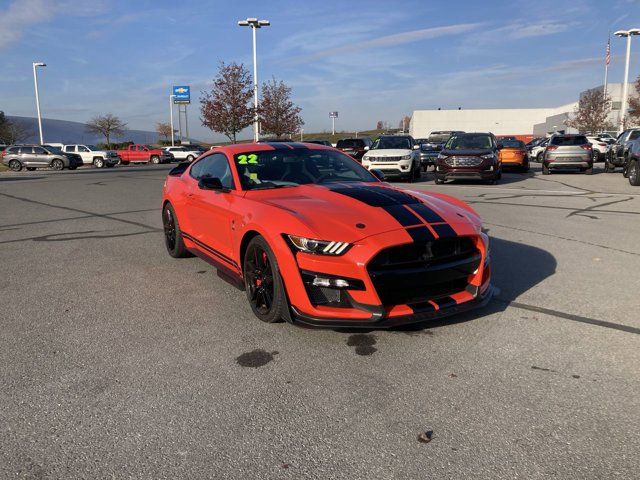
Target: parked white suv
x,y
92,155
395,155
600,148
183,152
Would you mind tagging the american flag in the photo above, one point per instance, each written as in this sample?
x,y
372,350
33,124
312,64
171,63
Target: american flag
x,y
607,58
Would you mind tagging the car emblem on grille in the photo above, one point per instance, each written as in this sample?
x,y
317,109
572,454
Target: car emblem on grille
x,y
428,253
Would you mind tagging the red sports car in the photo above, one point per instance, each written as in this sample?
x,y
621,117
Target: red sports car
x,y
314,237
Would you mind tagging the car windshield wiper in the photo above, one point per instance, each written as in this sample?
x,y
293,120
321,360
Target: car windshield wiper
x,y
273,186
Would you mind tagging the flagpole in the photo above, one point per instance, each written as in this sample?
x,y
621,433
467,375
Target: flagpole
x,y
606,65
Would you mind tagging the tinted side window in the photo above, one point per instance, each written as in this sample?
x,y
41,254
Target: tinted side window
x,y
635,134
39,150
215,166
13,150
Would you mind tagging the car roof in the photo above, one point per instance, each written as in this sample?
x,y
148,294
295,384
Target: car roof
x,y
269,146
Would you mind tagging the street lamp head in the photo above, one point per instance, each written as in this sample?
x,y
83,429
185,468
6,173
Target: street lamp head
x,y
634,31
264,23
252,20
621,33
39,64
243,23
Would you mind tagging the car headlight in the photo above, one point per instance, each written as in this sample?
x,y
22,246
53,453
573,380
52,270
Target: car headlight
x,y
407,157
318,247
488,156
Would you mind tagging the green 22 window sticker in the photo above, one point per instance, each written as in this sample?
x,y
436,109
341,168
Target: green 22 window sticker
x,y
245,159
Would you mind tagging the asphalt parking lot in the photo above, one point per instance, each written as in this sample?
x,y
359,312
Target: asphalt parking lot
x,y
119,361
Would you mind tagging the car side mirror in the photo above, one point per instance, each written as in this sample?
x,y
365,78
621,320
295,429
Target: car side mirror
x,y
366,147
379,174
211,183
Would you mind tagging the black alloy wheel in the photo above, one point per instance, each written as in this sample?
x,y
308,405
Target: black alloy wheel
x,y
263,285
172,234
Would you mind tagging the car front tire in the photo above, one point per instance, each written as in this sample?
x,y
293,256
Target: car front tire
x,y
57,164
155,160
545,169
98,162
263,283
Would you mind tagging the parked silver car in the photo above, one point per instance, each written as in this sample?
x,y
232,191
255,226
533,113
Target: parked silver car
x,y
568,152
31,157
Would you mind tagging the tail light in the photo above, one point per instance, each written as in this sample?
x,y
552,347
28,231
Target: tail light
x,y
552,147
586,146
602,144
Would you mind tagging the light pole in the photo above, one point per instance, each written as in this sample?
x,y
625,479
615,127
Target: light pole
x,y
171,97
254,23
625,85
35,81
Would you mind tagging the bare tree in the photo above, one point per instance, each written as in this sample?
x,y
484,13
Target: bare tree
x,y
227,107
164,130
633,117
13,132
278,114
380,125
106,125
591,114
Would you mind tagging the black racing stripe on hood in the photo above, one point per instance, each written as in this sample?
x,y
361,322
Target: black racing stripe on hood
x,y
376,196
445,302
298,145
278,145
425,212
420,234
444,231
404,216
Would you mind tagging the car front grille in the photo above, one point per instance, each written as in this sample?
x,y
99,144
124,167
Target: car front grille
x,y
421,271
463,161
384,159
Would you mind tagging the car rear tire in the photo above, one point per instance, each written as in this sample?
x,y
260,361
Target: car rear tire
x,y
539,157
525,166
124,162
545,169
98,162
634,173
73,168
155,159
263,283
190,158
57,164
15,165
439,181
172,234
110,165
609,168
31,169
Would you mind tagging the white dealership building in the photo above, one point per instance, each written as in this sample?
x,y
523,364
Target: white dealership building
x,y
520,122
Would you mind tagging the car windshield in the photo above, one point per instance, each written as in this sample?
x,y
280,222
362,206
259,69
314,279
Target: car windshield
x,y
148,147
512,144
469,142
569,141
93,148
438,137
350,143
289,168
385,143
54,149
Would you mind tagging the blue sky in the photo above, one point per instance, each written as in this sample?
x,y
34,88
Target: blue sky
x,y
370,60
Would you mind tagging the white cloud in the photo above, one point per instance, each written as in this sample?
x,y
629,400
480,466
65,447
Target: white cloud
x,y
389,40
22,14
538,29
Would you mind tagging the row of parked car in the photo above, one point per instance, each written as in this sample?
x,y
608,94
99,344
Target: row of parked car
x,y
622,152
72,156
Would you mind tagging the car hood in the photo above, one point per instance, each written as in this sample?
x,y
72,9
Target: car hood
x,y
470,152
339,211
389,152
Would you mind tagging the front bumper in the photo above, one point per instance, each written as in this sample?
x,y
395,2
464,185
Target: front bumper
x,y
379,320
468,174
428,158
380,296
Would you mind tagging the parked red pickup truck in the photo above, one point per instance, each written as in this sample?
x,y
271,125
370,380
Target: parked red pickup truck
x,y
143,154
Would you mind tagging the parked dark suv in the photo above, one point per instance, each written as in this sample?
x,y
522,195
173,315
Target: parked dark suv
x,y
355,147
31,157
431,146
568,152
469,156
619,151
